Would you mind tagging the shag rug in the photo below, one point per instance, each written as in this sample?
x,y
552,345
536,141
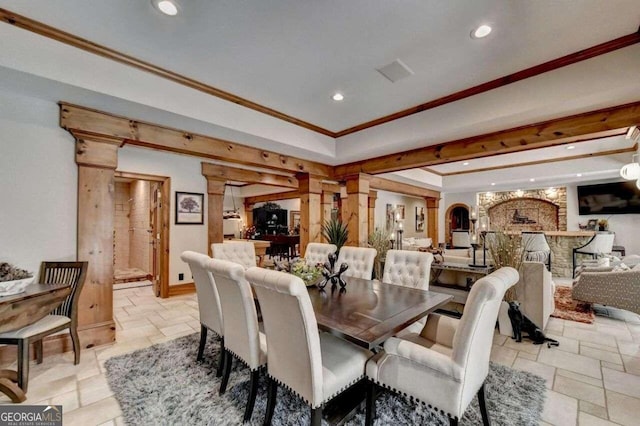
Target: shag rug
x,y
569,309
165,385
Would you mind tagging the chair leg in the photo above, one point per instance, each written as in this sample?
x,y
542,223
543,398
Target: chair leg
x,y
203,341
453,422
483,407
371,403
272,394
221,359
23,364
228,361
253,390
75,339
316,416
574,265
38,347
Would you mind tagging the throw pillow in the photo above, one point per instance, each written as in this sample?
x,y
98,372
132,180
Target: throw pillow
x,y
620,267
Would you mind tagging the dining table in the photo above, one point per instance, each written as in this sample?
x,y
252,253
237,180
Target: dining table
x,y
20,310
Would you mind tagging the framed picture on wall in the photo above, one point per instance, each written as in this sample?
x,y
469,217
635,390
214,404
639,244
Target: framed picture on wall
x,y
400,211
389,217
294,220
419,219
189,208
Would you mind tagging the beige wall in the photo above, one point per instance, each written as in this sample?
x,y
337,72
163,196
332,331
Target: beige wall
x,y
121,226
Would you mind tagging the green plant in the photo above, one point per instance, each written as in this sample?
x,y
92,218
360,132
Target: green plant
x,y
335,232
379,240
507,250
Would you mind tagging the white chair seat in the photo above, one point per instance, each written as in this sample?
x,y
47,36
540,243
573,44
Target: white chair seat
x,y
342,364
426,343
47,323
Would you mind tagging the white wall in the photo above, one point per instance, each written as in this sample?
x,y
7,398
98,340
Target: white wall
x,y
410,204
38,184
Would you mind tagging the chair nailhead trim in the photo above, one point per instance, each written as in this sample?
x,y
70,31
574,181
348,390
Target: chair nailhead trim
x,y
239,358
411,398
306,401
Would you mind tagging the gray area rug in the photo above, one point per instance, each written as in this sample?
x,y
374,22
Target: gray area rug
x,y
165,385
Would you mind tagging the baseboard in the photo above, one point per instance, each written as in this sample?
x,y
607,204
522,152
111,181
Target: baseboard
x,y
90,335
180,289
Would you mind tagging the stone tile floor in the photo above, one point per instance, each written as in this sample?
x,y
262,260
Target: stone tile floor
x,y
593,378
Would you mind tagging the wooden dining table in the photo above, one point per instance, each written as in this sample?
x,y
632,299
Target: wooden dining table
x,y
20,310
368,312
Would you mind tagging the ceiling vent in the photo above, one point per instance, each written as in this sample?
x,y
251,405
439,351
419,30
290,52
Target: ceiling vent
x,y
395,71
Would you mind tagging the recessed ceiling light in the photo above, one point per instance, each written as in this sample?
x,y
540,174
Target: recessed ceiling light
x,y
579,175
466,163
532,180
571,147
481,31
493,184
337,96
168,7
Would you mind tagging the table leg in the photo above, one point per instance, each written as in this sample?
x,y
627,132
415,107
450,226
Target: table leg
x,y
9,386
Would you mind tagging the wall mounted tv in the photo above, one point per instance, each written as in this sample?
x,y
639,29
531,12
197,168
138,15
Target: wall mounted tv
x,y
609,198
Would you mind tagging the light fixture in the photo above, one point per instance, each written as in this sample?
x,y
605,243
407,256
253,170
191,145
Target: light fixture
x,y
631,171
337,96
168,7
481,32
519,193
493,184
571,147
466,163
638,184
532,180
579,175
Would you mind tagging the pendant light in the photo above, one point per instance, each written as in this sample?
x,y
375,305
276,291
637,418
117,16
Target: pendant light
x,y
631,171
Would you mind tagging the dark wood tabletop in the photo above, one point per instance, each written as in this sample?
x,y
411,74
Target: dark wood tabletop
x,y
369,312
25,308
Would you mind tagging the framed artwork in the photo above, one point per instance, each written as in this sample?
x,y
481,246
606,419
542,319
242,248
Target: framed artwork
x,y
389,216
419,219
400,211
294,219
189,208
591,224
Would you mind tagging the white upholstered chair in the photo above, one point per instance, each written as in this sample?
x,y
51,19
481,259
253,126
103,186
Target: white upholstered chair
x,y
447,363
600,243
359,259
536,247
315,366
243,339
409,269
240,252
460,239
208,301
318,252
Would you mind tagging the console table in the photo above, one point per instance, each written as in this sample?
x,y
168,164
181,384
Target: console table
x,y
456,279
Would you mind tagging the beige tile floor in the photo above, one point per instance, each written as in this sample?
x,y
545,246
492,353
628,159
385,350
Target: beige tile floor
x,y
593,377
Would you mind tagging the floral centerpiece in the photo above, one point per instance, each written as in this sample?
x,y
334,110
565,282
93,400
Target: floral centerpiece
x,y
13,280
310,274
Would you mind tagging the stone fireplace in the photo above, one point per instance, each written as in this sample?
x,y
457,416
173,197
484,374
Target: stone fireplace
x,y
532,210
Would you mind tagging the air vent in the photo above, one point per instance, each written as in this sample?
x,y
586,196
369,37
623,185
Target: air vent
x,y
633,133
395,71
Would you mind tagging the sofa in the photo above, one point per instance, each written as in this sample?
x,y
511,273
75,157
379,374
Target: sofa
x,y
413,244
610,287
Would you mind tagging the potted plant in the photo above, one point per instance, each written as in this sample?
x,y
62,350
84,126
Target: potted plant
x,y
506,250
603,225
380,240
335,232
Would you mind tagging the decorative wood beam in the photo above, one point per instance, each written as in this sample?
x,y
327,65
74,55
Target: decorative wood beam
x,y
376,182
139,133
611,121
106,52
572,58
550,160
272,197
249,176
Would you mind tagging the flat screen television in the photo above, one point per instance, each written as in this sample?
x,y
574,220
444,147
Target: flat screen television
x,y
609,198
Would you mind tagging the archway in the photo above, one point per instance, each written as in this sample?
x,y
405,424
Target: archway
x,y
456,217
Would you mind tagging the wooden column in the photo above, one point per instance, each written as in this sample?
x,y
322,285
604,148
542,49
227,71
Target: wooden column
x,y
248,214
327,207
356,209
97,159
432,220
373,196
310,188
215,207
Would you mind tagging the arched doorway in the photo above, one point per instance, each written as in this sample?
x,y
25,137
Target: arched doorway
x,y
456,217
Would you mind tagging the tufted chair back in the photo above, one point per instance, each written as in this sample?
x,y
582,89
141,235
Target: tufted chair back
x,y
208,298
408,268
240,252
359,259
241,332
318,253
293,340
474,335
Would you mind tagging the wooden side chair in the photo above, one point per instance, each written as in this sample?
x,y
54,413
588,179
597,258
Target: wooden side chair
x,y
64,316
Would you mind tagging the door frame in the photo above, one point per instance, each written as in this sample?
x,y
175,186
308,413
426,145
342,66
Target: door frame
x,y
165,223
447,220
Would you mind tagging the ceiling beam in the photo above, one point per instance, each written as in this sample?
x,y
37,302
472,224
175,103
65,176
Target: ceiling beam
x,y
572,58
272,197
611,121
549,160
383,184
106,52
75,118
248,176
